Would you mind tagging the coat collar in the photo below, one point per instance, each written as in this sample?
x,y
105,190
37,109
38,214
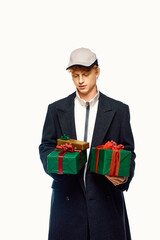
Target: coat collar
x,y
104,118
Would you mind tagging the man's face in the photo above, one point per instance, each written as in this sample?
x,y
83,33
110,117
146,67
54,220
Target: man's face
x,y
85,81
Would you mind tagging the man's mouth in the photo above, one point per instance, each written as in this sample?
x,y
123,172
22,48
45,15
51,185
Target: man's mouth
x,y
82,86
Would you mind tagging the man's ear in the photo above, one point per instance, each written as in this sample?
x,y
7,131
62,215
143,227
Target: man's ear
x,y
98,72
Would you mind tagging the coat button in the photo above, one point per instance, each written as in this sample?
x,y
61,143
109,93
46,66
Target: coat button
x,y
67,198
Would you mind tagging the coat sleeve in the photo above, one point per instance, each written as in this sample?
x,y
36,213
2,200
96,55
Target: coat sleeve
x,y
49,141
126,138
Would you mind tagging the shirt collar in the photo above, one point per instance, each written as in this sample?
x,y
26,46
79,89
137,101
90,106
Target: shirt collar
x,y
91,102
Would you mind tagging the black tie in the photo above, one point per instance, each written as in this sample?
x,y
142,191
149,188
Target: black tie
x,y
86,121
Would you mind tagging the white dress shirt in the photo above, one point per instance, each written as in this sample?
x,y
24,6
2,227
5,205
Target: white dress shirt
x,y
80,115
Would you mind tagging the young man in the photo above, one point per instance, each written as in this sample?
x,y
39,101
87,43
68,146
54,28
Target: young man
x,y
87,205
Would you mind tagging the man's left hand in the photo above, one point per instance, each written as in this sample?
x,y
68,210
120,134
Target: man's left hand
x,y
116,180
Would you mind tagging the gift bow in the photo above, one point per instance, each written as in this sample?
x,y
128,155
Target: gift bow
x,y
111,145
65,137
67,147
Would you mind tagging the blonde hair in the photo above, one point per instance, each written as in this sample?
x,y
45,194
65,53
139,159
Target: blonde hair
x,y
82,69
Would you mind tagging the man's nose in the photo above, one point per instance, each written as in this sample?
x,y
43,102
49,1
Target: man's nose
x,y
80,79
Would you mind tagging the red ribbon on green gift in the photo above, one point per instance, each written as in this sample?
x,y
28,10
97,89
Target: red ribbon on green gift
x,y
64,148
115,161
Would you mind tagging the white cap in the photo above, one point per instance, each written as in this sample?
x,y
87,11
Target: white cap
x,y
82,57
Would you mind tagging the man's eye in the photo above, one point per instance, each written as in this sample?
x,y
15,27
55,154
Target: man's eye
x,y
86,74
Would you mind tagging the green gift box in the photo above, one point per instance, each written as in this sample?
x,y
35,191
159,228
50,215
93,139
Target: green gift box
x,y
66,162
110,162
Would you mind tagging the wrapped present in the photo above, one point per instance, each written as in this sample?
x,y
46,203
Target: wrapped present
x,y
80,145
66,159
110,159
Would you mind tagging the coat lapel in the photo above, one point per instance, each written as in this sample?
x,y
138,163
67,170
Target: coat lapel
x,y
66,116
104,118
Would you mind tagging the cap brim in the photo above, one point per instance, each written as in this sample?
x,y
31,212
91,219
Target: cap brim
x,y
95,63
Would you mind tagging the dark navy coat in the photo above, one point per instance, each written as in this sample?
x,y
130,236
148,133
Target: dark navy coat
x,y
99,209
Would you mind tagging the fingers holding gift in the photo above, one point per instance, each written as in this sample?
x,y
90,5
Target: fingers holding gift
x,y
116,180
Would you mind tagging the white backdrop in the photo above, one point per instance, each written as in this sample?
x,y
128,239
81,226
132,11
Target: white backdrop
x,y
35,43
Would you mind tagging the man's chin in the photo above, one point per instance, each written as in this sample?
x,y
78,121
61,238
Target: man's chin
x,y
83,91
